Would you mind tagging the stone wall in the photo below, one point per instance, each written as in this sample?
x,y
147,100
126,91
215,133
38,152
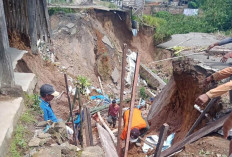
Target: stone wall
x,y
171,9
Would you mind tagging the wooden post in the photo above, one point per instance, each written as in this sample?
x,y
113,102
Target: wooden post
x,y
162,135
210,104
121,98
70,108
136,74
81,118
86,127
89,127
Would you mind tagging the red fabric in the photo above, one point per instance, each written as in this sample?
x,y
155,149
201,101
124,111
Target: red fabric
x,y
113,110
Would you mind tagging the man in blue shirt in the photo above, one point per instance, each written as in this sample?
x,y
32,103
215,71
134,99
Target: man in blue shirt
x,y
47,93
223,42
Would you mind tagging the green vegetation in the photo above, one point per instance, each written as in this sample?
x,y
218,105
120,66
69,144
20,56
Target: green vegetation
x,y
108,4
32,102
53,11
216,16
21,134
18,144
83,82
143,93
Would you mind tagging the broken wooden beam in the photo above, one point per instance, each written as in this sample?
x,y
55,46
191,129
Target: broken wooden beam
x,y
136,74
106,127
89,127
106,142
121,98
195,136
86,127
162,135
210,104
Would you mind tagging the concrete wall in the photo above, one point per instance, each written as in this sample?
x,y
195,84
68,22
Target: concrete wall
x,y
152,79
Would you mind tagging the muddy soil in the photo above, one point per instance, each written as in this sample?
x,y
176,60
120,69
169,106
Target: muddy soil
x,y
212,146
175,104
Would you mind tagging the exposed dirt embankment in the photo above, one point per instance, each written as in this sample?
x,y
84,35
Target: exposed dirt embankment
x,y
175,104
90,43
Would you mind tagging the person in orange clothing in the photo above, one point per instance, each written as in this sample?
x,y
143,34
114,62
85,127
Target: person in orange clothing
x,y
139,125
218,91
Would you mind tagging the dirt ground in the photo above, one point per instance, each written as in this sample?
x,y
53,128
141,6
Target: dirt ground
x,y
212,146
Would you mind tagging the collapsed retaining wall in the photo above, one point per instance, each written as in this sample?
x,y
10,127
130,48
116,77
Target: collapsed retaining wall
x,y
175,104
152,79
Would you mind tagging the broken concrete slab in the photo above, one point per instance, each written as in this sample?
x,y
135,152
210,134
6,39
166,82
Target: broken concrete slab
x,y
192,40
15,55
115,75
10,110
70,25
26,80
43,135
152,79
106,40
94,151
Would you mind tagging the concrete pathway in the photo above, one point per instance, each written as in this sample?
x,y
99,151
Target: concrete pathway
x,y
200,40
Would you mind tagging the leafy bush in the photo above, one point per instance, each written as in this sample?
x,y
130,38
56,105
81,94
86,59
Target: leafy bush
x,y
52,11
143,93
192,5
33,102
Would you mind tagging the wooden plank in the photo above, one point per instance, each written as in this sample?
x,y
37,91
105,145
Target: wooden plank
x,y
136,74
106,142
162,135
81,118
70,110
106,127
86,127
210,104
195,136
125,49
89,127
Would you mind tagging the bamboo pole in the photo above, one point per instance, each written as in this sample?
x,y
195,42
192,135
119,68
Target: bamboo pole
x,y
136,74
70,108
121,98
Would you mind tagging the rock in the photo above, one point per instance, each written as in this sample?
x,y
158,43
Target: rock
x,y
69,146
49,152
115,75
34,142
94,151
44,135
106,40
42,124
70,25
73,31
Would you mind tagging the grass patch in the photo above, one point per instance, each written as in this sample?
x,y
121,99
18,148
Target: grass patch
x,y
52,11
108,5
19,143
22,133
